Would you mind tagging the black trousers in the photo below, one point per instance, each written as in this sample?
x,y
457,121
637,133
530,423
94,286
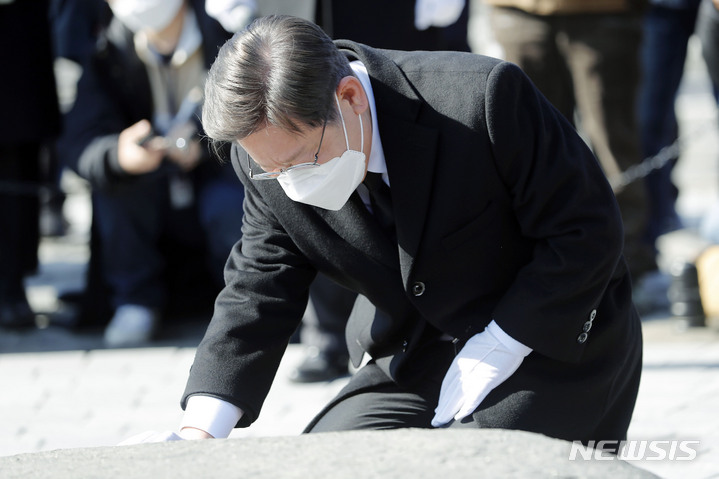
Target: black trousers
x,y
323,325
560,409
19,212
371,400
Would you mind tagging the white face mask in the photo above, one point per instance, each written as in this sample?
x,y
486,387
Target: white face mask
x,y
330,184
145,14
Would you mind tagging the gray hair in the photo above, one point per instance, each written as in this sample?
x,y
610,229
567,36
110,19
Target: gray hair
x,y
280,71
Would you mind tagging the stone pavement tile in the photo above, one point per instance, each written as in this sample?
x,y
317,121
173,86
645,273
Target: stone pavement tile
x,y
677,398
101,397
21,393
32,383
110,426
12,444
60,434
51,339
35,363
151,369
134,360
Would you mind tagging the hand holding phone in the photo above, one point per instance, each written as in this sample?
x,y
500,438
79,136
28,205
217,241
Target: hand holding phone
x,y
184,149
135,158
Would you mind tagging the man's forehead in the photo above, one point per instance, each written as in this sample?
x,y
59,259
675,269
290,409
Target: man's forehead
x,y
274,146
271,130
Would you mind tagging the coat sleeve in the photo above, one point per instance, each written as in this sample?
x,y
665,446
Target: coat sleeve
x,y
563,202
88,144
267,288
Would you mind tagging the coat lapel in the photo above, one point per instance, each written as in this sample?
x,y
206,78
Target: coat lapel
x,y
410,148
410,152
410,165
355,224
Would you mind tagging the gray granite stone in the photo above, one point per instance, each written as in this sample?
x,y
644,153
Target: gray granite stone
x,y
401,453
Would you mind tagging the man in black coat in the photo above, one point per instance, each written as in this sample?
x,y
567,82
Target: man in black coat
x,y
499,297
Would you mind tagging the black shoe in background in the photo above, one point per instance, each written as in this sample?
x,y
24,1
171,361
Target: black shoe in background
x,y
685,296
319,366
16,313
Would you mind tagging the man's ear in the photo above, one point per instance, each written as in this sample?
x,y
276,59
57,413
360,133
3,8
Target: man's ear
x,y
350,89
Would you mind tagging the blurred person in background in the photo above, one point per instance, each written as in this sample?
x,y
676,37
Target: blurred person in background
x,y
584,57
167,210
667,27
30,121
75,27
708,33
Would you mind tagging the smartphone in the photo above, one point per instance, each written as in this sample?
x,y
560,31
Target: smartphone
x,y
146,139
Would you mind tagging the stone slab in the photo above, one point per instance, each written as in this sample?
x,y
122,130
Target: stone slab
x,y
400,453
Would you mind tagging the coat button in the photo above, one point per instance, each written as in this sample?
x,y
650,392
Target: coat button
x,y
587,326
418,288
592,315
582,338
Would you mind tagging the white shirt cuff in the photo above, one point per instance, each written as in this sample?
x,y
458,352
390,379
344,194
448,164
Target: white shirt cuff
x,y
212,415
508,341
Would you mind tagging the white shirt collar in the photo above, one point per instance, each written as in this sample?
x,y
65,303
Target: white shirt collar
x,y
376,161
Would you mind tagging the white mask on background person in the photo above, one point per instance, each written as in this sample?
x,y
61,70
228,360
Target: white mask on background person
x,y
233,15
330,184
145,14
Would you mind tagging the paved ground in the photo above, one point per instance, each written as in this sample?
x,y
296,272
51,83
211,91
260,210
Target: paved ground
x,y
64,390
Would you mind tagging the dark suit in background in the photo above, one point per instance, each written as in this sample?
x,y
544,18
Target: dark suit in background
x,y
31,117
383,24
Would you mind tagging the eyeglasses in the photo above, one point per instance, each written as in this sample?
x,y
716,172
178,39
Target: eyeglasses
x,y
272,175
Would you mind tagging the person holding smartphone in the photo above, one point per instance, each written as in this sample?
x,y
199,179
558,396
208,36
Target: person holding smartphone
x,y
167,211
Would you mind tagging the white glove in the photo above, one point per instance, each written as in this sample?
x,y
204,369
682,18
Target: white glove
x,y
485,362
436,13
151,436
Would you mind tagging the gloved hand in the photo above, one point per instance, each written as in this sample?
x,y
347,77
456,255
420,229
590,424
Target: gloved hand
x,y
151,436
485,362
436,13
